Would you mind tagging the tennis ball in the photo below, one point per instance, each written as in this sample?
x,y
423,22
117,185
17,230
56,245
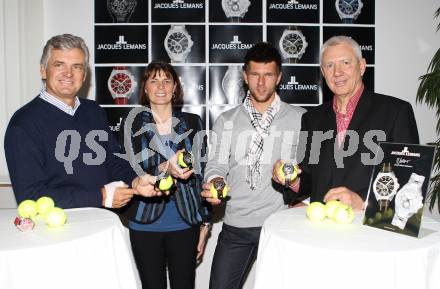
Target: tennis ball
x,y
44,204
344,214
165,183
185,159
55,217
27,209
316,212
330,208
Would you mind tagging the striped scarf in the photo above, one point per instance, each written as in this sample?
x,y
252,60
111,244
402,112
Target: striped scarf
x,y
261,123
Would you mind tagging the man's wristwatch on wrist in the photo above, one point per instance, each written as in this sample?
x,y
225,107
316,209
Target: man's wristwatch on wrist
x,y
206,225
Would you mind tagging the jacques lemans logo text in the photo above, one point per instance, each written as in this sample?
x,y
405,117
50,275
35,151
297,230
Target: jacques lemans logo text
x,y
295,85
121,44
292,4
178,4
234,44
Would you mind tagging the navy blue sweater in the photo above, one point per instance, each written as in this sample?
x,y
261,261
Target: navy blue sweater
x,y
34,168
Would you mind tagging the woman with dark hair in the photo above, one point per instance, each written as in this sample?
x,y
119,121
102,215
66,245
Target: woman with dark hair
x,y
168,230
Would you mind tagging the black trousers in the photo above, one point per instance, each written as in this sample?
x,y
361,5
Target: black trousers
x,y
155,251
234,255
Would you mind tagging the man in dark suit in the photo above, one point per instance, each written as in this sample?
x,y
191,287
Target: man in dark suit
x,y
342,134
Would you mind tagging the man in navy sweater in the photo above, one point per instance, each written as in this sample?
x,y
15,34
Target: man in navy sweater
x,y
60,146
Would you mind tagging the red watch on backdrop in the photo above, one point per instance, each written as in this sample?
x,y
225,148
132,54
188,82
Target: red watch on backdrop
x,y
121,84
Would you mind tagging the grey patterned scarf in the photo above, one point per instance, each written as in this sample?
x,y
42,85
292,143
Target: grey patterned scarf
x,y
261,123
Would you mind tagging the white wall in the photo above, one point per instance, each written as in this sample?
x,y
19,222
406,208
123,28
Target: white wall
x,y
405,43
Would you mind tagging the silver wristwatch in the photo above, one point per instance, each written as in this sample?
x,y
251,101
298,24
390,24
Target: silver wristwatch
x,y
348,10
385,186
121,10
292,44
178,43
408,201
232,85
235,8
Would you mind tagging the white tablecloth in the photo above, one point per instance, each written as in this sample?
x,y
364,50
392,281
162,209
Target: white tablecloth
x,y
297,253
90,251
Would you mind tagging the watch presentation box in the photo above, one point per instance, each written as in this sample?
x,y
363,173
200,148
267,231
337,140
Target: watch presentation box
x,y
398,187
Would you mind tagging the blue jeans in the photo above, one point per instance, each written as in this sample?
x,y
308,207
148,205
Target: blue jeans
x,y
234,255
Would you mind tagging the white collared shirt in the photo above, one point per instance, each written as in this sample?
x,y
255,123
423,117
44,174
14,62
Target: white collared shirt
x,y
58,103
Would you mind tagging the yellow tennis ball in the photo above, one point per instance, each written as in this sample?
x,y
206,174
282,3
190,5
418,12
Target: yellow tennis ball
x,y
181,161
185,160
55,217
316,212
27,209
165,183
330,208
44,204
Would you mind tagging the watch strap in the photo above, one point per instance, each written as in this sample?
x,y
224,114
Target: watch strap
x,y
383,205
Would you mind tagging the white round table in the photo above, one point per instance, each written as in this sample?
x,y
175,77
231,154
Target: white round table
x,y
297,253
90,251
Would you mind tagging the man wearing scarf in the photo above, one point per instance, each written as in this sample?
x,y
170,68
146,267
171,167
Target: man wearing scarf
x,y
246,141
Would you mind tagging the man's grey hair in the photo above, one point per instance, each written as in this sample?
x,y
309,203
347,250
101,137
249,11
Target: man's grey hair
x,y
64,42
342,39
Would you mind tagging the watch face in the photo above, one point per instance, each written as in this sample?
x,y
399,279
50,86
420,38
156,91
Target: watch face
x,y
385,185
348,7
235,8
121,9
292,44
121,83
288,169
178,42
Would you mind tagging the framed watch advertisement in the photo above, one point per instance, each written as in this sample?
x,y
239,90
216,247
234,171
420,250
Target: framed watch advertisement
x,y
118,85
178,43
349,12
398,187
121,11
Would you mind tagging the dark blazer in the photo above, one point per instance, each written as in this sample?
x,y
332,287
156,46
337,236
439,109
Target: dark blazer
x,y
374,111
187,192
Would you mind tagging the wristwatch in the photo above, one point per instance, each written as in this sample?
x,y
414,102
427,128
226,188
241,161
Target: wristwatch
x,y
121,84
289,172
385,186
206,225
235,9
292,44
232,85
178,43
348,10
408,200
121,10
